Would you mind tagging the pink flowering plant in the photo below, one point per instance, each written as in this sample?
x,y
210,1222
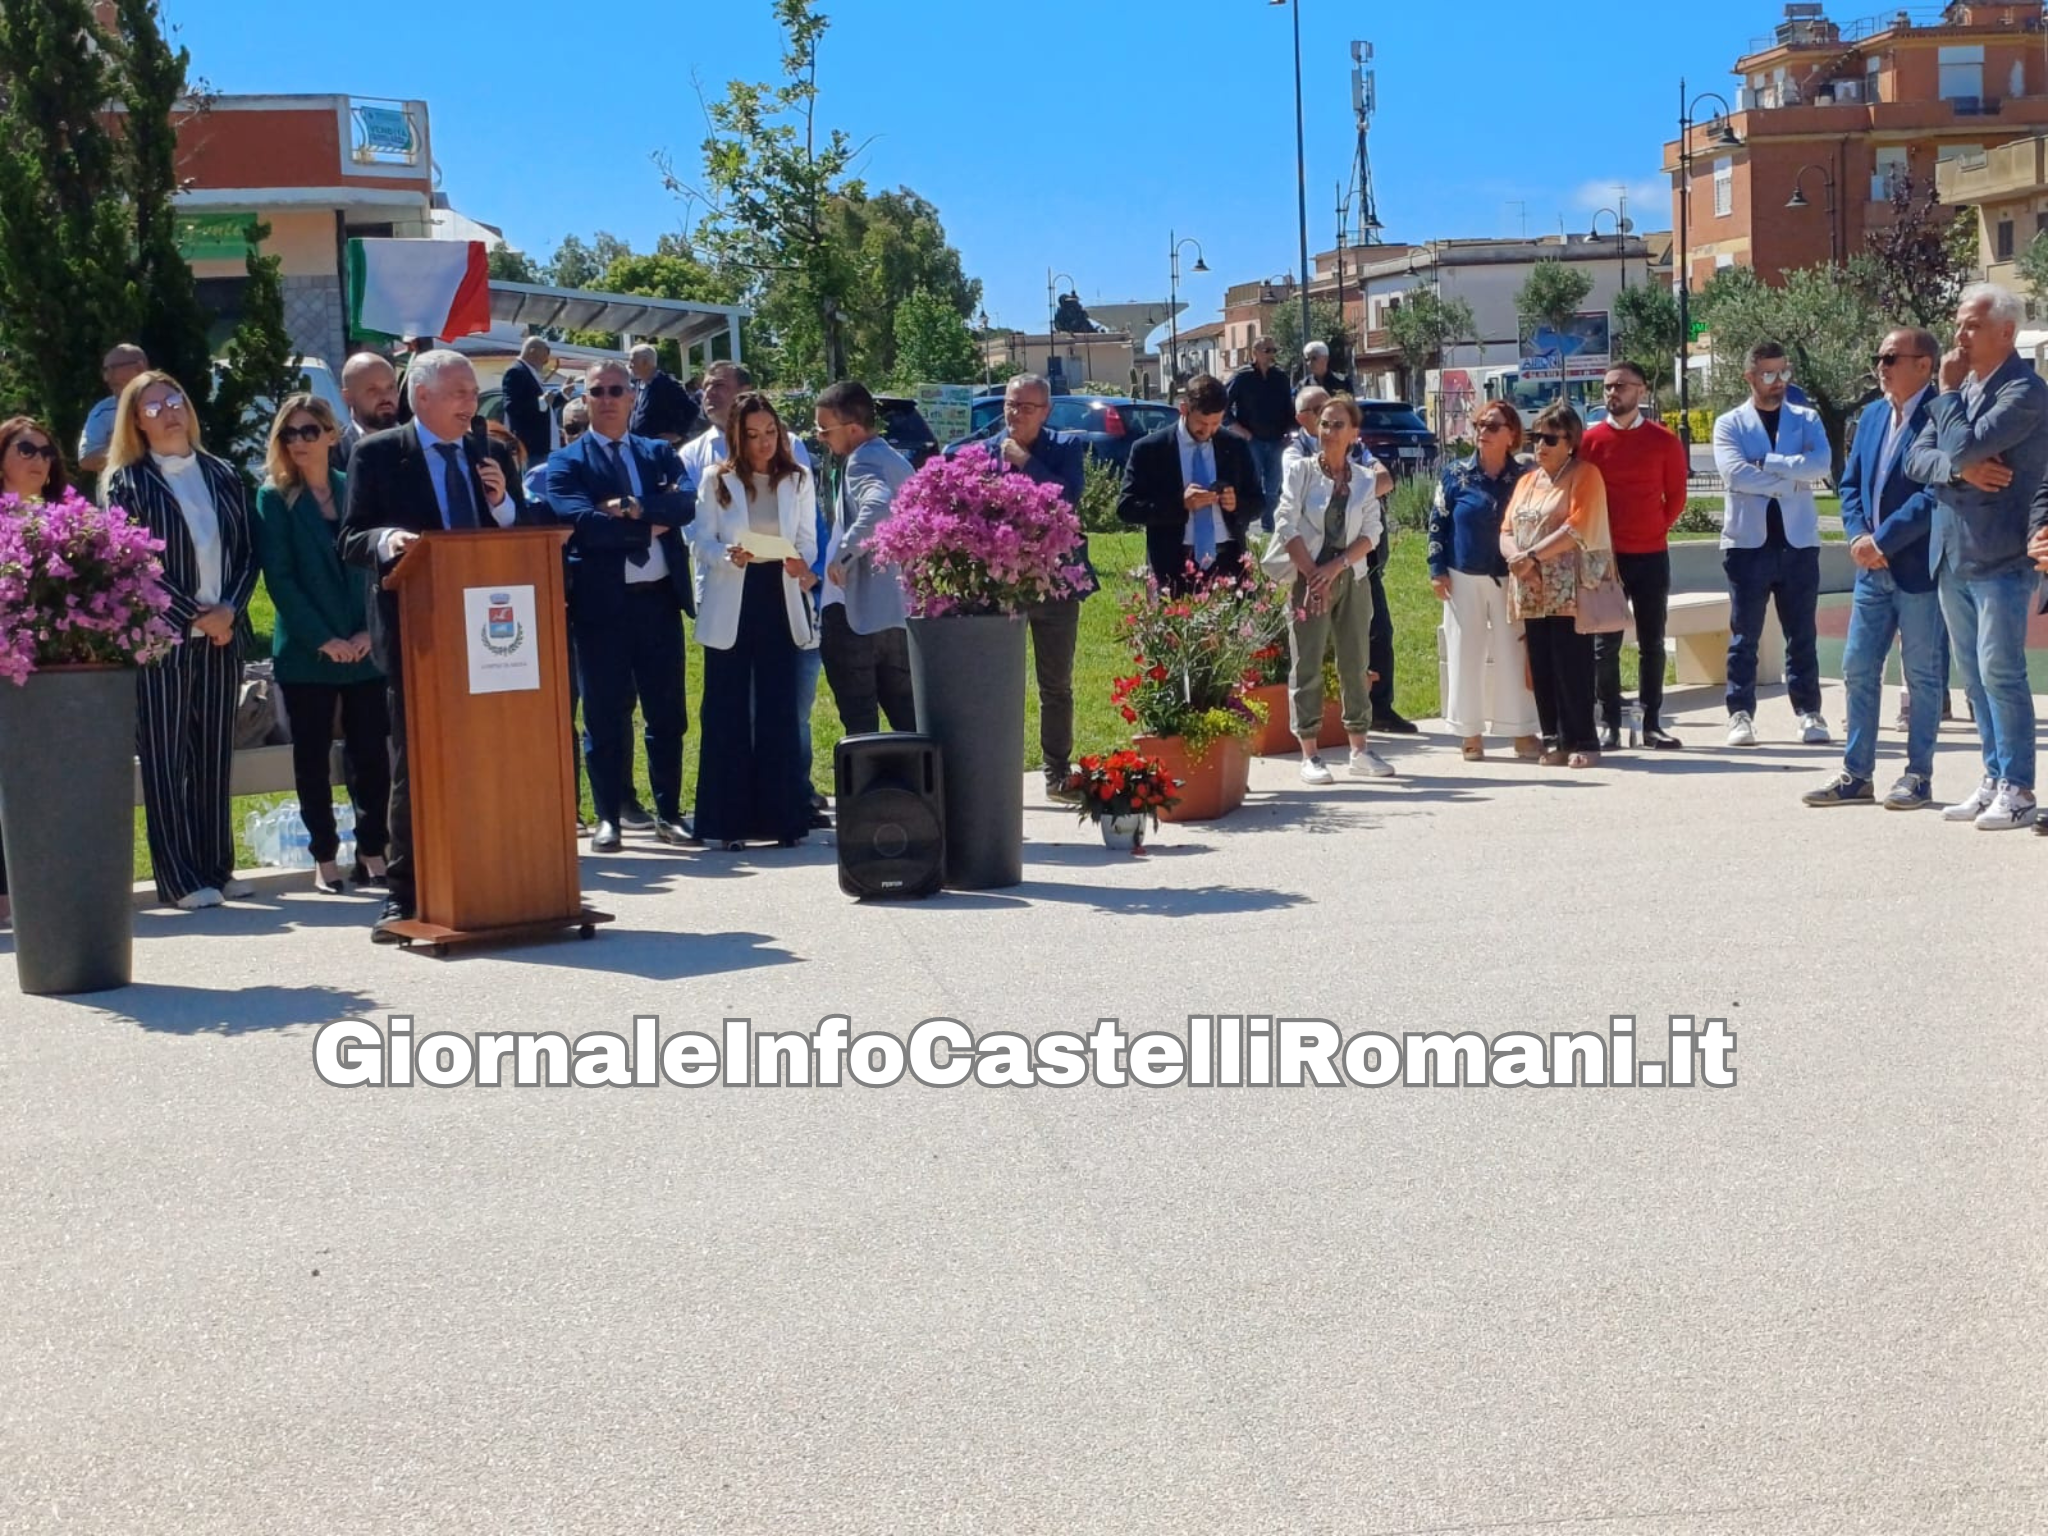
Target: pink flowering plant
x,y
968,539
78,585
1192,656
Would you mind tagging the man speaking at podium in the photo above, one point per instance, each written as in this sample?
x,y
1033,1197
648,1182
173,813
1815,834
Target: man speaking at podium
x,y
431,474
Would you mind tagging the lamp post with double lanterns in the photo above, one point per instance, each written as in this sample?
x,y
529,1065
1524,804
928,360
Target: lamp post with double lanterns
x,y
1052,321
1720,136
1300,167
1173,305
1798,200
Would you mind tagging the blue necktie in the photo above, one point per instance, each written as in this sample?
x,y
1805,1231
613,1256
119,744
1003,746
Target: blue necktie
x,y
1205,524
455,483
622,485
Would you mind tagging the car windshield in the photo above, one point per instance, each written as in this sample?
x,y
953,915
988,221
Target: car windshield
x,y
1390,418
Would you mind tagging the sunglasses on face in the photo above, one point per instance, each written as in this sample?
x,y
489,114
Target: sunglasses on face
x,y
1487,428
608,391
1892,359
1770,376
310,433
29,450
168,403
1547,439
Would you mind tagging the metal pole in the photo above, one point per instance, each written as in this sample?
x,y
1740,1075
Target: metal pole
x,y
1172,315
1684,283
1301,174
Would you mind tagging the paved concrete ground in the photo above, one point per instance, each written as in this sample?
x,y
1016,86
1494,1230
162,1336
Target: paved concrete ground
x,y
237,1300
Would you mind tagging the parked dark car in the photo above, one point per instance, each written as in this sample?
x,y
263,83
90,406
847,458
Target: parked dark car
x,y
1111,423
904,428
1397,435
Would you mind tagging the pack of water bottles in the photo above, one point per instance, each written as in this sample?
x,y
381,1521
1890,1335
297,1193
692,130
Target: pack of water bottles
x,y
279,839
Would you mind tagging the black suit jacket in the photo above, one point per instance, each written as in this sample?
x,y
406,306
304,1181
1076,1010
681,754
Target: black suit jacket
x,y
578,483
526,411
1153,488
389,487
664,409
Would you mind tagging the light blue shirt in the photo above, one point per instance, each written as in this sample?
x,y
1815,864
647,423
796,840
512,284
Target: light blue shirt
x,y
1214,512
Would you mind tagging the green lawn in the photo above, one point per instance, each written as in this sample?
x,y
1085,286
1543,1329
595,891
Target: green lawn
x,y
1119,558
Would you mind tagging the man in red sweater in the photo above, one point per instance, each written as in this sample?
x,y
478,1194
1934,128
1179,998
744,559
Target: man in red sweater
x,y
1644,465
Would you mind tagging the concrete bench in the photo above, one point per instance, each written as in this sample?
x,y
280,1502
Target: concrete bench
x,y
263,771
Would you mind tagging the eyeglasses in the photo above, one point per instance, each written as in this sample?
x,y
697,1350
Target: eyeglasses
x,y
29,450
168,403
1489,426
1547,439
309,433
1769,376
1892,359
1025,405
608,391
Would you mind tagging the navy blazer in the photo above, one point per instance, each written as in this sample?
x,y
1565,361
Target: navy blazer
x,y
1061,459
1984,532
1153,488
578,482
1883,501
527,411
664,408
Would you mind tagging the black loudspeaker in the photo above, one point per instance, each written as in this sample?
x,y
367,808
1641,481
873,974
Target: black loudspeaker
x,y
890,815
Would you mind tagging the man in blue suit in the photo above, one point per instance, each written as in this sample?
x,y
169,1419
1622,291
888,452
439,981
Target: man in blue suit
x,y
1886,516
626,499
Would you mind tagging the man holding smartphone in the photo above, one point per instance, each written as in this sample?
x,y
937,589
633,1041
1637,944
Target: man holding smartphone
x,y
1196,490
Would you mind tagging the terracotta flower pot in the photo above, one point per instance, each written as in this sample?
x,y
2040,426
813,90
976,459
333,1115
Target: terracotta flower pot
x,y
1213,785
1276,737
1332,733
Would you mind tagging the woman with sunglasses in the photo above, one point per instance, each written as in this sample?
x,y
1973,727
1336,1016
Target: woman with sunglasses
x,y
1467,573
159,474
31,469
321,643
1555,533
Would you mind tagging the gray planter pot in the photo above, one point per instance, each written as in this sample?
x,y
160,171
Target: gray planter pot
x,y
67,815
968,677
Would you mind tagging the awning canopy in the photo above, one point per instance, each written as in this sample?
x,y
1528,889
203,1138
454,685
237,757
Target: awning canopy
x,y
688,324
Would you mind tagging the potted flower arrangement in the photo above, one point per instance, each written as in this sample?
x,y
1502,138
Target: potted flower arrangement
x,y
975,547
1185,697
1264,684
81,607
1119,791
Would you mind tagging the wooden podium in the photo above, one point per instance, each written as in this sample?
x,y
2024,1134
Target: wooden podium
x,y
487,738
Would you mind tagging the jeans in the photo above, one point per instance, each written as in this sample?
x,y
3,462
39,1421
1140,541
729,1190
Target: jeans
x,y
1267,458
1646,579
809,664
1757,578
1987,619
1878,611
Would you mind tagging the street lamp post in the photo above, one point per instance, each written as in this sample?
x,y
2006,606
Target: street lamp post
x,y
1172,369
1620,240
1723,137
987,372
1798,200
1300,169
1052,320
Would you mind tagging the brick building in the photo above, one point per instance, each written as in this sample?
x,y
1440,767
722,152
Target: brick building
x,y
1839,113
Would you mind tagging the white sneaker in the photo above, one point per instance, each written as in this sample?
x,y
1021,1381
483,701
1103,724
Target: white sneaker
x,y
1813,730
1741,729
1368,764
237,890
205,896
2012,807
1978,803
1313,771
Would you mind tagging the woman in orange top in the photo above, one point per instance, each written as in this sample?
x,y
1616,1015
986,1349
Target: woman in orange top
x,y
1555,529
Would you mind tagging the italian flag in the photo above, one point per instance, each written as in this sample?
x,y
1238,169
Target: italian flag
x,y
401,288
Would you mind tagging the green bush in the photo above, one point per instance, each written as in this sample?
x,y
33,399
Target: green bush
x,y
1701,515
1408,509
1099,486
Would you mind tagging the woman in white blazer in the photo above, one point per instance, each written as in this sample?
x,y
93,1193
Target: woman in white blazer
x,y
1326,525
753,616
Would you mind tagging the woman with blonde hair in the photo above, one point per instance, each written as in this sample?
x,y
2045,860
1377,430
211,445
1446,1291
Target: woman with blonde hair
x,y
321,644
1554,539
158,472
753,615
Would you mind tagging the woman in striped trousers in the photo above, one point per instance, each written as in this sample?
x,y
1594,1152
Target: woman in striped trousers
x,y
185,728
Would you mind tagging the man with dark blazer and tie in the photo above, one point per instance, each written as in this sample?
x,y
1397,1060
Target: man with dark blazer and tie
x,y
1887,516
529,403
664,408
1195,490
423,477
627,499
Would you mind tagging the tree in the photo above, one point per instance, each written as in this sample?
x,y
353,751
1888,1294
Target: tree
x,y
1647,332
674,275
1825,325
900,247
1551,296
573,265
1915,267
509,266
1423,326
1325,325
933,344
2033,268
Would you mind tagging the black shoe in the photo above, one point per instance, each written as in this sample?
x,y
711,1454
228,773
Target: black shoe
x,y
395,911
635,816
363,880
821,821
672,833
1610,738
1656,736
819,802
605,839
1391,724
788,842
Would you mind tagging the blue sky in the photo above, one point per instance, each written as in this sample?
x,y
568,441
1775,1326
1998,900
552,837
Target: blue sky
x,y
1070,137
